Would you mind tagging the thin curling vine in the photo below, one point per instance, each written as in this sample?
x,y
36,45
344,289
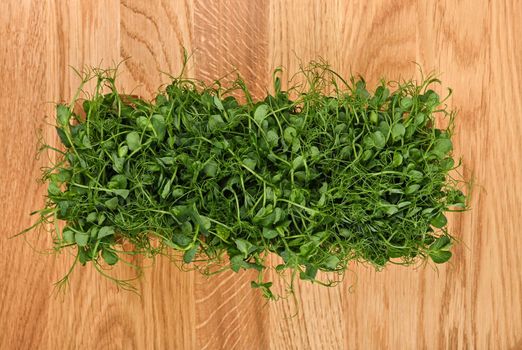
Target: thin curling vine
x,y
321,174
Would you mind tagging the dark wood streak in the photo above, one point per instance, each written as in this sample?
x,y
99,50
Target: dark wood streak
x,y
152,20
174,23
61,50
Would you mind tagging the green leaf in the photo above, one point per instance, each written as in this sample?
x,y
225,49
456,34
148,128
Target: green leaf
x,y
133,140
190,254
143,123
122,193
412,189
315,153
406,102
186,228
171,141
112,203
379,141
416,175
269,233
298,163
117,182
63,114
204,223
215,122
427,211
432,98
439,221
92,217
218,103
68,236
222,233
166,189
81,238
101,218
109,256
397,160
53,189
398,131
83,256
118,163
105,231
93,232
178,192
249,163
211,168
441,243
272,138
244,246
158,124
339,128
260,113
181,239
419,119
63,137
447,163
237,262
63,175
309,274
265,287
122,151
391,209
167,160
345,232
86,142
374,117
380,260
331,262
442,147
384,128
289,134
296,145
403,204
306,249
440,256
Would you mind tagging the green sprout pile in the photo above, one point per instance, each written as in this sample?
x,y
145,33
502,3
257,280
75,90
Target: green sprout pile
x,y
322,174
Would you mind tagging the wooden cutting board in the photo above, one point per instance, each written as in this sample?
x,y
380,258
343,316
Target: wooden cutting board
x,y
475,302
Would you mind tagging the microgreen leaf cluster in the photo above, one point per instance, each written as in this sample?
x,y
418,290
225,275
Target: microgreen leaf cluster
x,y
321,174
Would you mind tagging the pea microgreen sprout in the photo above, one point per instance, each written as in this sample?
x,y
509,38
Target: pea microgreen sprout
x,y
322,174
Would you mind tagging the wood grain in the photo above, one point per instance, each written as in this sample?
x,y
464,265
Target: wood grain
x,y
230,38
23,32
475,302
226,303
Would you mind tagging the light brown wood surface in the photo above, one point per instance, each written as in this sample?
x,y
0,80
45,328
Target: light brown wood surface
x,y
475,302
